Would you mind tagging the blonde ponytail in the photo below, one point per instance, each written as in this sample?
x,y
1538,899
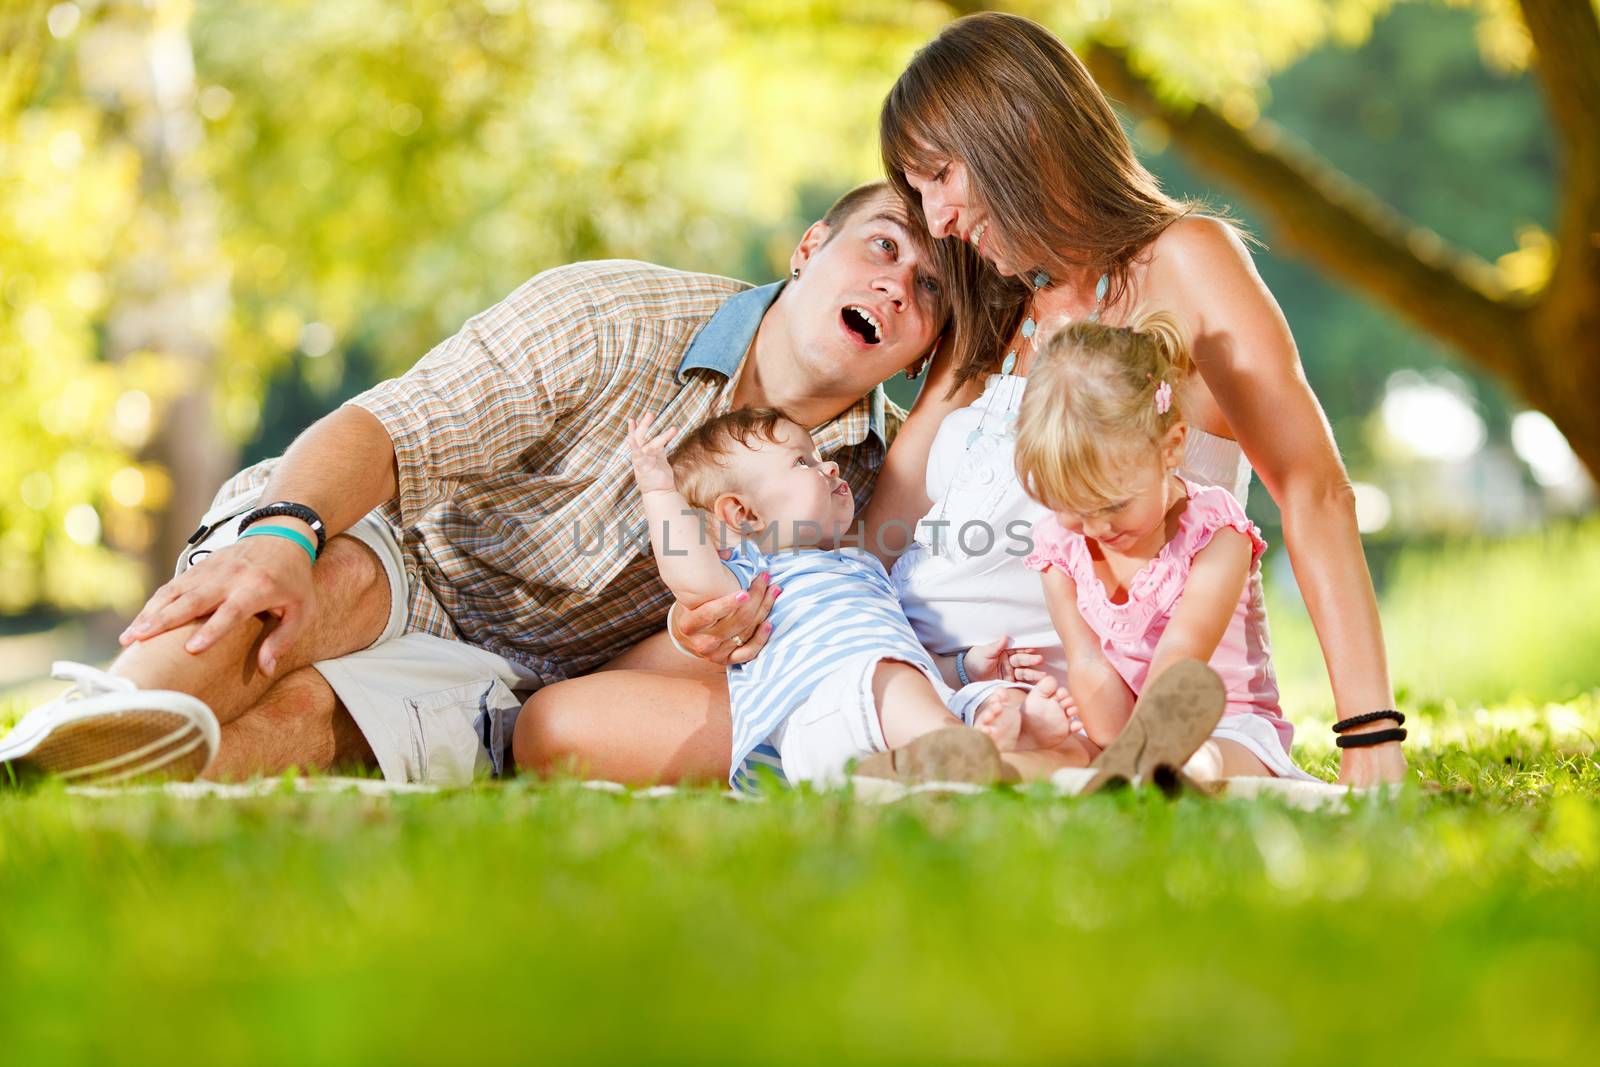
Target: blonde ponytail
x,y
1098,395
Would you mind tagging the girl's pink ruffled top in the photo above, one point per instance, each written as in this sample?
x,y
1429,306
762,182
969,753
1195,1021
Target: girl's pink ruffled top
x,y
1130,632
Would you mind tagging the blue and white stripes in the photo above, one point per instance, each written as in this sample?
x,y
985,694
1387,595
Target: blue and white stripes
x,y
835,606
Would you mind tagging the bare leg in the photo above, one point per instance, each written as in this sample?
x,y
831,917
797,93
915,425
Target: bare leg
x,y
352,609
299,723
635,726
1219,758
908,706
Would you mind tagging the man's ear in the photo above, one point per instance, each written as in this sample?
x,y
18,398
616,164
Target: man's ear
x,y
814,239
733,512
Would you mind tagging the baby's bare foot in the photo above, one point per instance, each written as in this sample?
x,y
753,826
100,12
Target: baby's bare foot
x,y
1044,721
1000,716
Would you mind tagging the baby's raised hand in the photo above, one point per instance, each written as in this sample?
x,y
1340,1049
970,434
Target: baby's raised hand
x,y
651,471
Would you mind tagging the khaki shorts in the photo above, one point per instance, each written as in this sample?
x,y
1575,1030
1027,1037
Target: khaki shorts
x,y
433,710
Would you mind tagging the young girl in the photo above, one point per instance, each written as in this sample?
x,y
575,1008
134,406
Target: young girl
x,y
1142,568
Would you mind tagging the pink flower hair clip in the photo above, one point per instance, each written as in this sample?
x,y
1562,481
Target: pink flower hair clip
x,y
1163,398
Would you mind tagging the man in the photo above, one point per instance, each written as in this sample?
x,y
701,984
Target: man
x,y
452,540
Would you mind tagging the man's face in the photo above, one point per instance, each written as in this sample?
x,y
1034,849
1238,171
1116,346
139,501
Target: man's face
x,y
866,304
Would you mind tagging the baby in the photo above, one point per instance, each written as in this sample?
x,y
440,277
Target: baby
x,y
843,675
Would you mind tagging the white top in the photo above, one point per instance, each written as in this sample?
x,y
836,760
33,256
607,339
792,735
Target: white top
x,y
962,581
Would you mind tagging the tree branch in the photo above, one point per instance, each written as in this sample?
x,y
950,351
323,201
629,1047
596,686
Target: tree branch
x,y
1339,224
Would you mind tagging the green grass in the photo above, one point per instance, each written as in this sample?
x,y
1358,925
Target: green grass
x,y
525,923
1467,624
550,924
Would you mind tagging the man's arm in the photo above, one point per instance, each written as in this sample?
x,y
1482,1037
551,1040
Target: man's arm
x,y
471,406
341,468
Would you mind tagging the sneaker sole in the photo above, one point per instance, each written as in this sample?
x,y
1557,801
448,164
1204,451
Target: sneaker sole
x,y
120,747
1171,720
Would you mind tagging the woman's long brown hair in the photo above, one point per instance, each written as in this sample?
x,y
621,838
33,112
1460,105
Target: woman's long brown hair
x,y
1045,158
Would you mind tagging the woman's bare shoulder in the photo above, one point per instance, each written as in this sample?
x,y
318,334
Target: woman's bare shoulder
x,y
1199,242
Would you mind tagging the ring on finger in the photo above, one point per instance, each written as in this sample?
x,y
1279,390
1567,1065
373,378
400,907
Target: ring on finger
x,y
737,640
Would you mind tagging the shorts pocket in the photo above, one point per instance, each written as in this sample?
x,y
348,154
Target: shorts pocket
x,y
462,733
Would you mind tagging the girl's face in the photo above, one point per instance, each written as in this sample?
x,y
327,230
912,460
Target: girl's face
x,y
1135,524
952,210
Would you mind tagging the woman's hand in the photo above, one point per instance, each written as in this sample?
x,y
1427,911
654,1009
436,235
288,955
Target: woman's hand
x,y
1363,768
729,630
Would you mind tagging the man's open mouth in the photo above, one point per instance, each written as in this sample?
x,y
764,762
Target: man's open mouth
x,y
863,323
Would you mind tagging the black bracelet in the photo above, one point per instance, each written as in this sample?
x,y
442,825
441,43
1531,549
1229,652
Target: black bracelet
x,y
1372,716
291,510
1376,737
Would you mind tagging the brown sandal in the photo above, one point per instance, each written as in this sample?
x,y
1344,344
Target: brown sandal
x,y
953,754
1171,720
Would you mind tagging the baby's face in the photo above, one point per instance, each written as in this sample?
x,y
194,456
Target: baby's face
x,y
789,486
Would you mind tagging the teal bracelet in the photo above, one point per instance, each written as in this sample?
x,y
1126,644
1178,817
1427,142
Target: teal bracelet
x,y
287,534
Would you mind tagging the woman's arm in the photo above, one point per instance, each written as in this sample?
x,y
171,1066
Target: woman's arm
x,y
1103,699
1247,359
900,497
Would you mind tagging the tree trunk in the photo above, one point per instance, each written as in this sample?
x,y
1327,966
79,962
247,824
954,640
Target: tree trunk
x,y
172,287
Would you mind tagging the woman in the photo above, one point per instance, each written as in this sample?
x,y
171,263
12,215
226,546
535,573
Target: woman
x,y
1001,136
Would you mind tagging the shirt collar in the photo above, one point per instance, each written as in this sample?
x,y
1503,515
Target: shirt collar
x,y
723,342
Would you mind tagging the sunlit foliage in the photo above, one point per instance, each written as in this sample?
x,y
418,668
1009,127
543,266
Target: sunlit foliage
x,y
333,179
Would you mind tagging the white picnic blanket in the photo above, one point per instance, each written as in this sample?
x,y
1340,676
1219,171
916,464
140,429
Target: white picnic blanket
x,y
1310,796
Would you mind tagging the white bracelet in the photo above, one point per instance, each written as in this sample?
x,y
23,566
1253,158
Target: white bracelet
x,y
674,637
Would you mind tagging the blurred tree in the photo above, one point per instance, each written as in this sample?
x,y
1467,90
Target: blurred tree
x,y
1533,318
199,198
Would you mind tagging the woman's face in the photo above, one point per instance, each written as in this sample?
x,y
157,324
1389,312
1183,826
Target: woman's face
x,y
952,211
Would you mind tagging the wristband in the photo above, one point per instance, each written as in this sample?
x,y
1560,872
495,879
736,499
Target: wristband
x,y
1376,737
1372,716
674,637
291,510
287,534
961,666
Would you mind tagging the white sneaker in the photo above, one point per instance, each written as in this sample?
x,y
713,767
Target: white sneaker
x,y
106,729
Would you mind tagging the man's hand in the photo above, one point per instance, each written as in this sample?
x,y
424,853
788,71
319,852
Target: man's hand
x,y
731,629
247,578
1363,768
651,471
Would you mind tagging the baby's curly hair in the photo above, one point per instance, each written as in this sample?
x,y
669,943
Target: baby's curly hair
x,y
698,465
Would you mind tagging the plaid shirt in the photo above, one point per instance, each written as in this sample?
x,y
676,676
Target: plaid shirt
x,y
517,514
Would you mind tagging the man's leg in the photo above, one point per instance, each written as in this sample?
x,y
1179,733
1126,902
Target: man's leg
x,y
635,726
650,715
352,610
299,723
